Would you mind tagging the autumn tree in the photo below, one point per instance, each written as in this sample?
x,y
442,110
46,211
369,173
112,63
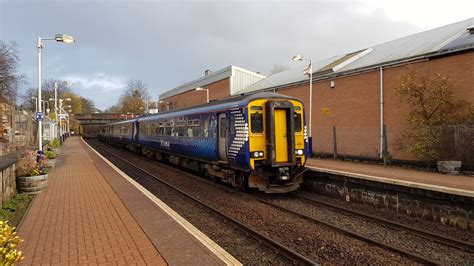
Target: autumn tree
x,y
10,79
133,97
433,107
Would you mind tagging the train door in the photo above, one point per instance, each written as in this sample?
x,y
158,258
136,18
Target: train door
x,y
280,132
281,136
222,136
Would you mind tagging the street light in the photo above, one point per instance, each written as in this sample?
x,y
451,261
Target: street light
x,y
203,89
36,102
59,38
309,69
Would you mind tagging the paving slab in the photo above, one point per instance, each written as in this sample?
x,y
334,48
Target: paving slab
x,y
79,219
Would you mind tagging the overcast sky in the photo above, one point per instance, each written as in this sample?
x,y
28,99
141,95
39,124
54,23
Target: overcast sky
x,y
166,43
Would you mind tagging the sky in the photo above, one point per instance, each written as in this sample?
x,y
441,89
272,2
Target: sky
x,y
168,43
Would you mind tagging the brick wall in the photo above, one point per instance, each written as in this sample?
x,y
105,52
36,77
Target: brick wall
x,y
217,90
353,106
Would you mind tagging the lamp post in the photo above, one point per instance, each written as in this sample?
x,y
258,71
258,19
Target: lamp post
x,y
310,69
59,38
207,92
45,106
36,102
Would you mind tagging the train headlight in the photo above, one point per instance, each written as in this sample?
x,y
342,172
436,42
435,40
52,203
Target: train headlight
x,y
257,154
299,152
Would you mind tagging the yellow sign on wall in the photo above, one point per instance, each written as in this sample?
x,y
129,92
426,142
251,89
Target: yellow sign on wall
x,y
325,111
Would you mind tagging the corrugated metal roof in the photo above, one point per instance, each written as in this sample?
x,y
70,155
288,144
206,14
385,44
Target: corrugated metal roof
x,y
288,76
450,37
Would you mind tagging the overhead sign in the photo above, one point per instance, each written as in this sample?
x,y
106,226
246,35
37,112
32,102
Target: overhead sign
x,y
39,116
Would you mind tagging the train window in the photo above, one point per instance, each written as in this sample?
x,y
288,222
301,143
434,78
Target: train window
x,y
206,126
256,123
297,122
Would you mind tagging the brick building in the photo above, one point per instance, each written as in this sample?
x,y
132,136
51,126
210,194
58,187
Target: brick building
x,y
354,94
221,84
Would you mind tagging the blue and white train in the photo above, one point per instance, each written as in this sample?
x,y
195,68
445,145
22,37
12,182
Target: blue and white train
x,y
254,141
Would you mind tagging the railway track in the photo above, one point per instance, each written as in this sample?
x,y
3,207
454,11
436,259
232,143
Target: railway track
x,y
282,249
291,254
463,245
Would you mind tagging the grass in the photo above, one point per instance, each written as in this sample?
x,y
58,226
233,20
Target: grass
x,y
14,209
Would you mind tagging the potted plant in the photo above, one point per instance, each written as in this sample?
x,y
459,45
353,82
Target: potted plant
x,y
54,146
51,155
32,176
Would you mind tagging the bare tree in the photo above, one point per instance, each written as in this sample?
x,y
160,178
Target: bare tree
x,y
10,80
134,96
278,69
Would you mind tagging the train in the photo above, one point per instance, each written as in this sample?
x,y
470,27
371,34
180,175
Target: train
x,y
256,141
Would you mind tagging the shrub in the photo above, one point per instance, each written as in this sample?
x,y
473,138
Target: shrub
x,y
54,144
433,108
50,154
31,163
8,243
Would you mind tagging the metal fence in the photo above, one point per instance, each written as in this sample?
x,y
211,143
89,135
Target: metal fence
x,y
457,143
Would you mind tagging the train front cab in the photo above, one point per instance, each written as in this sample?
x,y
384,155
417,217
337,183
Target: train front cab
x,y
277,144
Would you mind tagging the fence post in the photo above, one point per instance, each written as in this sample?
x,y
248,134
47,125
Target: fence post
x,y
385,154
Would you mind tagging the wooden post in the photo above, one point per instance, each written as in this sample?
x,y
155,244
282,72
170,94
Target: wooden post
x,y
334,141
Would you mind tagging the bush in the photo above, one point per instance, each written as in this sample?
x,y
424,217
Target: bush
x,y
8,243
50,154
31,163
433,108
54,144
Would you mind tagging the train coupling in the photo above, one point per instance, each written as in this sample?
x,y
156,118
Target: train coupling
x,y
283,174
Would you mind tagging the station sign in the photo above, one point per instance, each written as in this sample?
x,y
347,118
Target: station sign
x,y
39,116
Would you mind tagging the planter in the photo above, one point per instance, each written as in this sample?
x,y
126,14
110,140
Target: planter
x,y
56,150
449,167
50,163
32,184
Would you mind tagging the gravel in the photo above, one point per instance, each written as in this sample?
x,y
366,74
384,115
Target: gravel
x,y
312,240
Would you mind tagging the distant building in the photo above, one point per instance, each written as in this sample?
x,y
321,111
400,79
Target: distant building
x,y
221,84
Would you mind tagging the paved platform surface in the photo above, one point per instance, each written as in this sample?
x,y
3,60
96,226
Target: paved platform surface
x,y
83,219
452,184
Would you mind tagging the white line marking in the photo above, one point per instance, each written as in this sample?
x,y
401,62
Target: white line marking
x,y
449,190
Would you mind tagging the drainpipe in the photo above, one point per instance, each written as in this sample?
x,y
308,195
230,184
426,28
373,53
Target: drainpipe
x,y
381,114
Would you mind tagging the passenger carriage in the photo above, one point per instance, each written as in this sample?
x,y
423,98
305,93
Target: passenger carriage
x,y
257,141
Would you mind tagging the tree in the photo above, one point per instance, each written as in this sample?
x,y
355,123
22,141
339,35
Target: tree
x,y
134,96
433,107
278,68
10,80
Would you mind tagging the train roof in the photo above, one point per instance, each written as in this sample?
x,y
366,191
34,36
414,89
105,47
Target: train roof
x,y
236,101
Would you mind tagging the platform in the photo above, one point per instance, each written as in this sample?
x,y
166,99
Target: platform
x,y
452,184
93,213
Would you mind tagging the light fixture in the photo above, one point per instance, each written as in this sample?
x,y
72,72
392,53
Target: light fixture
x,y
64,38
297,57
